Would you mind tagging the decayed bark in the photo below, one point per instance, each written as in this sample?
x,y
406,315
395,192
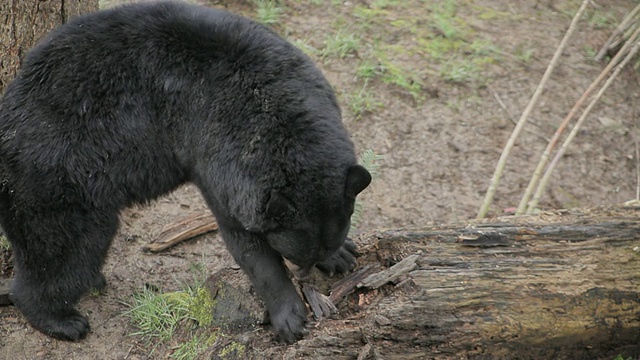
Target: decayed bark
x,y
23,22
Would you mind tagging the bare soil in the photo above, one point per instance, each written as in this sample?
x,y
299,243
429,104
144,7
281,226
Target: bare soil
x,y
440,145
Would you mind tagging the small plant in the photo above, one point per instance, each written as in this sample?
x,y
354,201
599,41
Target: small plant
x,y
524,53
367,15
362,101
459,71
590,52
157,315
369,70
268,12
371,161
599,20
390,73
381,4
93,292
620,357
341,44
4,243
444,21
194,347
306,48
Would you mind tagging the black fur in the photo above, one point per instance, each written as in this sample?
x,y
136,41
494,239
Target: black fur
x,y
123,105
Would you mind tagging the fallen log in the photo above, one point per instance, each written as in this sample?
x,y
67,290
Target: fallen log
x,y
561,285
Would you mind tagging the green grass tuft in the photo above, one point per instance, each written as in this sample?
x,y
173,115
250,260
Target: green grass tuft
x,y
268,12
340,44
195,346
157,315
362,101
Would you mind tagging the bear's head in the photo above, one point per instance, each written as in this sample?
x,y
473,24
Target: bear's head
x,y
306,234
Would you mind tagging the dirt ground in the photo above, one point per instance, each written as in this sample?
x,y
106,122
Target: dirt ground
x,y
440,137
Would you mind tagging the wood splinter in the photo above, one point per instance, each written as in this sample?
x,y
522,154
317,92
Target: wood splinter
x,y
182,230
321,305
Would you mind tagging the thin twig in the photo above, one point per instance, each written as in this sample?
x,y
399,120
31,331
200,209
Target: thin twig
x,y
574,131
635,134
488,199
637,171
544,159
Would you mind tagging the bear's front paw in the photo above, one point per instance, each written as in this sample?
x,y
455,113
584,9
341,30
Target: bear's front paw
x,y
342,261
72,327
99,283
289,320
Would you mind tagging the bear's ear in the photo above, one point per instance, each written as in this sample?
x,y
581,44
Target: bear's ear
x,y
278,206
358,178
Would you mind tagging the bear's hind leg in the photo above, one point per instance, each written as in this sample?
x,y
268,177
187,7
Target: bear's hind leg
x,y
57,260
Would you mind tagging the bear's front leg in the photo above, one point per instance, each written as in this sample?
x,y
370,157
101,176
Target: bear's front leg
x,y
266,270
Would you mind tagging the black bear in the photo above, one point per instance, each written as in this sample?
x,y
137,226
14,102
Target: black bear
x,y
123,105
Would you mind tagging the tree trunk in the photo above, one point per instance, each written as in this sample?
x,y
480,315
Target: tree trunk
x,y
556,286
23,22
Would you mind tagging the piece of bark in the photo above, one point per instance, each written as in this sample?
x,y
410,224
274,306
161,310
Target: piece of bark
x,y
5,287
347,284
391,274
182,230
321,305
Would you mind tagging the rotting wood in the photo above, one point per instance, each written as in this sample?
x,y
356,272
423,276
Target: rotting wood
x,y
561,285
182,230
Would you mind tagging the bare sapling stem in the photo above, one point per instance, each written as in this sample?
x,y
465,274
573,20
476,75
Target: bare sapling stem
x,y
544,159
574,131
488,199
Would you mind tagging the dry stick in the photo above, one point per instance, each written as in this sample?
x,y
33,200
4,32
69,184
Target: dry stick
x,y
637,172
620,29
625,35
523,119
574,131
544,159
